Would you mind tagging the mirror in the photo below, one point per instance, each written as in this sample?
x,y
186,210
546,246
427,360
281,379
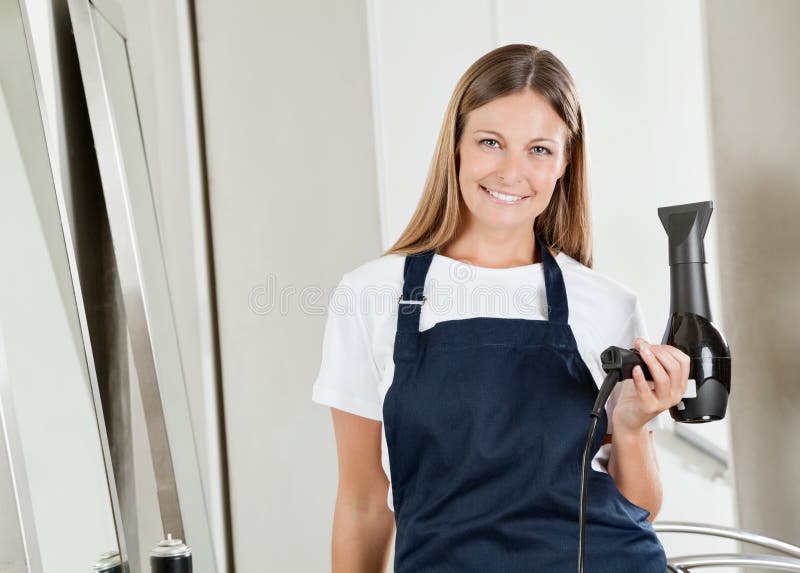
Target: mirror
x,y
58,513
159,381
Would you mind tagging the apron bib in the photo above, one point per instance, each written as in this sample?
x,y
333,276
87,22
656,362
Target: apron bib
x,y
485,423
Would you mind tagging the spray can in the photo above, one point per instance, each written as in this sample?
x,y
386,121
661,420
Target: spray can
x,y
108,562
171,556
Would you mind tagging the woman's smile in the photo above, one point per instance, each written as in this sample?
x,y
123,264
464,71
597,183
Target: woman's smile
x,y
503,198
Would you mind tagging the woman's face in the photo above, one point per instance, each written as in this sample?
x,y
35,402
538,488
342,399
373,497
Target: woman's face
x,y
514,146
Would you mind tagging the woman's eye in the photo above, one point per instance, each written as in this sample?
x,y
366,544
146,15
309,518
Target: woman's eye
x,y
544,151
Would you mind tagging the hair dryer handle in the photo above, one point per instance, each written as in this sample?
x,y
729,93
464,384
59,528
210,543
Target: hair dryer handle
x,y
623,360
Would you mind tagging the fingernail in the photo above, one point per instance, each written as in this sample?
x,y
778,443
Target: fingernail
x,y
646,349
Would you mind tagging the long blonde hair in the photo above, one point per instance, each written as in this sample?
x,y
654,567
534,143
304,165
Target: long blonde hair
x,y
565,225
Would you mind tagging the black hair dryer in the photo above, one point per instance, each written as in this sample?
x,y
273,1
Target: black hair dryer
x,y
689,327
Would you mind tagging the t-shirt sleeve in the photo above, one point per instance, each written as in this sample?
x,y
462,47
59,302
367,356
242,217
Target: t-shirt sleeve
x,y
636,326
348,376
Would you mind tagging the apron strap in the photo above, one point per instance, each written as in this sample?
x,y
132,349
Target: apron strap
x,y
557,306
410,303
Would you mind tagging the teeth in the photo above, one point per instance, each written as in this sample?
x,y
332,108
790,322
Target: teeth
x,y
504,197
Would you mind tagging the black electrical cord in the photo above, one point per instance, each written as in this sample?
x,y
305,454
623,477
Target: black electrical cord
x,y
612,378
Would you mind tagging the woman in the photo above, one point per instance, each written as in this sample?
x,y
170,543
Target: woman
x,y
485,411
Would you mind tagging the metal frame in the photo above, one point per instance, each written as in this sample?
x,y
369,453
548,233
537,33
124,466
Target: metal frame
x,y
8,423
691,562
114,116
78,293
681,564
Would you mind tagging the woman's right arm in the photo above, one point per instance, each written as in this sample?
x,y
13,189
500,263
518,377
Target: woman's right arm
x,y
363,524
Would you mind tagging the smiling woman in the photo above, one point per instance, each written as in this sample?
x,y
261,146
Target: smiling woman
x,y
485,408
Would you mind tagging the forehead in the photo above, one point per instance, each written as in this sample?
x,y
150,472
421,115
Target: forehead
x,y
522,115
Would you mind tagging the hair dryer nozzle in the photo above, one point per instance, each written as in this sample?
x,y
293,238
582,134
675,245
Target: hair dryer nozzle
x,y
686,228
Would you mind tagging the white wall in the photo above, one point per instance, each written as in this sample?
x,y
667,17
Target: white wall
x,y
286,94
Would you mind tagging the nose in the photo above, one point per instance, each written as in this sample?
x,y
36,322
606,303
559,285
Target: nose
x,y
510,171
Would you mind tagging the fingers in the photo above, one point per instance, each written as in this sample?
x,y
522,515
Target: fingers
x,y
669,369
685,363
660,375
643,387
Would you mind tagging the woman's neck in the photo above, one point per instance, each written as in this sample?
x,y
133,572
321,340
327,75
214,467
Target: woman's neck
x,y
494,250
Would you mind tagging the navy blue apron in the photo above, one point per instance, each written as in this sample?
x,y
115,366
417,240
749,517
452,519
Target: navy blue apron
x,y
485,420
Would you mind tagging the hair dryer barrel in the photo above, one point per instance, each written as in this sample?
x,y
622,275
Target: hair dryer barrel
x,y
686,227
689,327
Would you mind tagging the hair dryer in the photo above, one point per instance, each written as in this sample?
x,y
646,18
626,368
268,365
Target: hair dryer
x,y
689,328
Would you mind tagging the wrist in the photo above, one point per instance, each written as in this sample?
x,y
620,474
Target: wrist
x,y
623,433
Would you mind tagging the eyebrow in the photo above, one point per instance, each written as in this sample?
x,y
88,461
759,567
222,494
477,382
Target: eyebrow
x,y
531,141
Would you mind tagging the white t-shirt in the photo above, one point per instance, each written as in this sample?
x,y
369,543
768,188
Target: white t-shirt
x,y
357,352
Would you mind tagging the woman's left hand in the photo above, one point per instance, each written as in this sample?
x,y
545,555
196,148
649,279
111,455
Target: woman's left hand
x,y
638,403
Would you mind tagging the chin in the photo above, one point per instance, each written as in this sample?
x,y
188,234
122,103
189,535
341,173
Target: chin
x,y
504,223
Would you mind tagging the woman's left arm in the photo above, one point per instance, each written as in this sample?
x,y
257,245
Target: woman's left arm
x,y
632,461
633,465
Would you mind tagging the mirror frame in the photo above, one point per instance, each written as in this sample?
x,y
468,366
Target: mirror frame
x,y
27,546
101,42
